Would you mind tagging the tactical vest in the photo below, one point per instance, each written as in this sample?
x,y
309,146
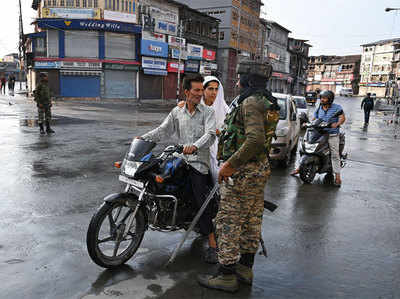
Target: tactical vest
x,y
233,134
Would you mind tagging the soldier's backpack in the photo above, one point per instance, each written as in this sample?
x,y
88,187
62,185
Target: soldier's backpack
x,y
233,136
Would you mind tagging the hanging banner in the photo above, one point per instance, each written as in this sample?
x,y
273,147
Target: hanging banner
x,y
195,52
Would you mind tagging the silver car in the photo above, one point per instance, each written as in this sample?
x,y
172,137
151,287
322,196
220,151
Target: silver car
x,y
287,131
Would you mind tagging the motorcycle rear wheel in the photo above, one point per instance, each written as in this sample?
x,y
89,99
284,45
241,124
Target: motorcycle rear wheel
x,y
307,172
104,238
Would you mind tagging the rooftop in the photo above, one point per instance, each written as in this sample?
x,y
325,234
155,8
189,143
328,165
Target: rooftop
x,y
382,42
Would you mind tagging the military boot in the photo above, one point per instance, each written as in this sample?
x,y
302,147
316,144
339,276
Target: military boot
x,y
224,280
41,129
244,269
48,129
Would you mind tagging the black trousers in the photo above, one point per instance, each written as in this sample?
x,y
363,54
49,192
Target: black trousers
x,y
200,189
366,115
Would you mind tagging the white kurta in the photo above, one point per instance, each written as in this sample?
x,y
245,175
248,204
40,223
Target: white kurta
x,y
221,109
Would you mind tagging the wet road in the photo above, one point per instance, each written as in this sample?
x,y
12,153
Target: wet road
x,y
323,242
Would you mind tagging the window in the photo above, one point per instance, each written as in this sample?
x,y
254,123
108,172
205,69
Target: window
x,y
54,2
70,3
113,7
95,3
78,3
222,35
123,5
130,6
62,3
84,4
90,3
117,4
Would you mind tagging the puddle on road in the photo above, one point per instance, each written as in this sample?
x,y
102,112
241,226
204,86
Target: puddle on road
x,y
60,120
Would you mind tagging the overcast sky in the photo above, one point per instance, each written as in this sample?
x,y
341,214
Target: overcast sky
x,y
336,27
333,27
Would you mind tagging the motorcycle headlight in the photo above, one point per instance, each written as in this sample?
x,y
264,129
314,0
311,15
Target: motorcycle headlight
x,y
310,148
282,132
130,167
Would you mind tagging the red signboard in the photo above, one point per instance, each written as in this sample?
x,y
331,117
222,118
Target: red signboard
x,y
209,54
173,67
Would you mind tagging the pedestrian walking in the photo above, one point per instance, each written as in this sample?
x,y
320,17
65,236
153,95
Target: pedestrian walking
x,y
243,148
42,97
3,84
367,104
11,84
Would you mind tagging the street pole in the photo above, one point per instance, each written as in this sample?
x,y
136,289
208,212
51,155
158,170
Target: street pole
x,y
21,41
179,61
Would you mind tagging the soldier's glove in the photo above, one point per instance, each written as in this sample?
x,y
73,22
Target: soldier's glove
x,y
225,172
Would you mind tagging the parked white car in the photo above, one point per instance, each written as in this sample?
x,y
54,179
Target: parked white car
x,y
346,92
287,131
302,108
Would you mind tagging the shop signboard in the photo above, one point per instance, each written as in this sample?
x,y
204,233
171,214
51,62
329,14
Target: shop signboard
x,y
206,68
120,16
71,13
209,55
154,48
162,26
164,14
148,35
192,66
120,67
177,42
154,63
79,24
174,53
47,64
80,65
195,52
173,67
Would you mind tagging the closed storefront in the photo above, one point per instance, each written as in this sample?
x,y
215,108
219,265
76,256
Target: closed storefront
x,y
53,43
82,44
120,81
120,46
151,87
80,84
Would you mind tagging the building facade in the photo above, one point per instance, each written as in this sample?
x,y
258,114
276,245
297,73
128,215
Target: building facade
x,y
380,68
278,55
238,34
89,48
333,73
299,51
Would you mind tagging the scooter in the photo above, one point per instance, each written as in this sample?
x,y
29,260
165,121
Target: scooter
x,y
314,151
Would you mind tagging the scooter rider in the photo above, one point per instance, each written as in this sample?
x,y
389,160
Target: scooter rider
x,y
325,111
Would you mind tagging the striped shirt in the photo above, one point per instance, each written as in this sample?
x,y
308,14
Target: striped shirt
x,y
325,115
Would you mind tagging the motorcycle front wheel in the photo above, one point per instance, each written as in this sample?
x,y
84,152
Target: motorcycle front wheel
x,y
307,172
107,244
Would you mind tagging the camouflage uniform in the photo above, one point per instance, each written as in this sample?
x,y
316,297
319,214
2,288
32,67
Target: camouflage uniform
x,y
239,219
42,97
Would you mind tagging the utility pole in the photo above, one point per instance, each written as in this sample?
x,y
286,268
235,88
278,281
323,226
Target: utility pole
x,y
179,60
21,47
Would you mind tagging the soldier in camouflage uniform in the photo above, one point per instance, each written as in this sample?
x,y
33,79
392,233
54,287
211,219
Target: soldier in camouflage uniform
x,y
42,97
244,147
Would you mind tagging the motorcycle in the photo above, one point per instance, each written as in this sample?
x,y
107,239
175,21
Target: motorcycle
x,y
157,196
314,151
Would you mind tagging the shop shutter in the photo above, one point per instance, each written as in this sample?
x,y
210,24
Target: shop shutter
x,y
120,84
52,43
80,86
81,44
151,87
120,46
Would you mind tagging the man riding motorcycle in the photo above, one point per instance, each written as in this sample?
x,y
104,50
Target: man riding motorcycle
x,y
325,111
195,126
